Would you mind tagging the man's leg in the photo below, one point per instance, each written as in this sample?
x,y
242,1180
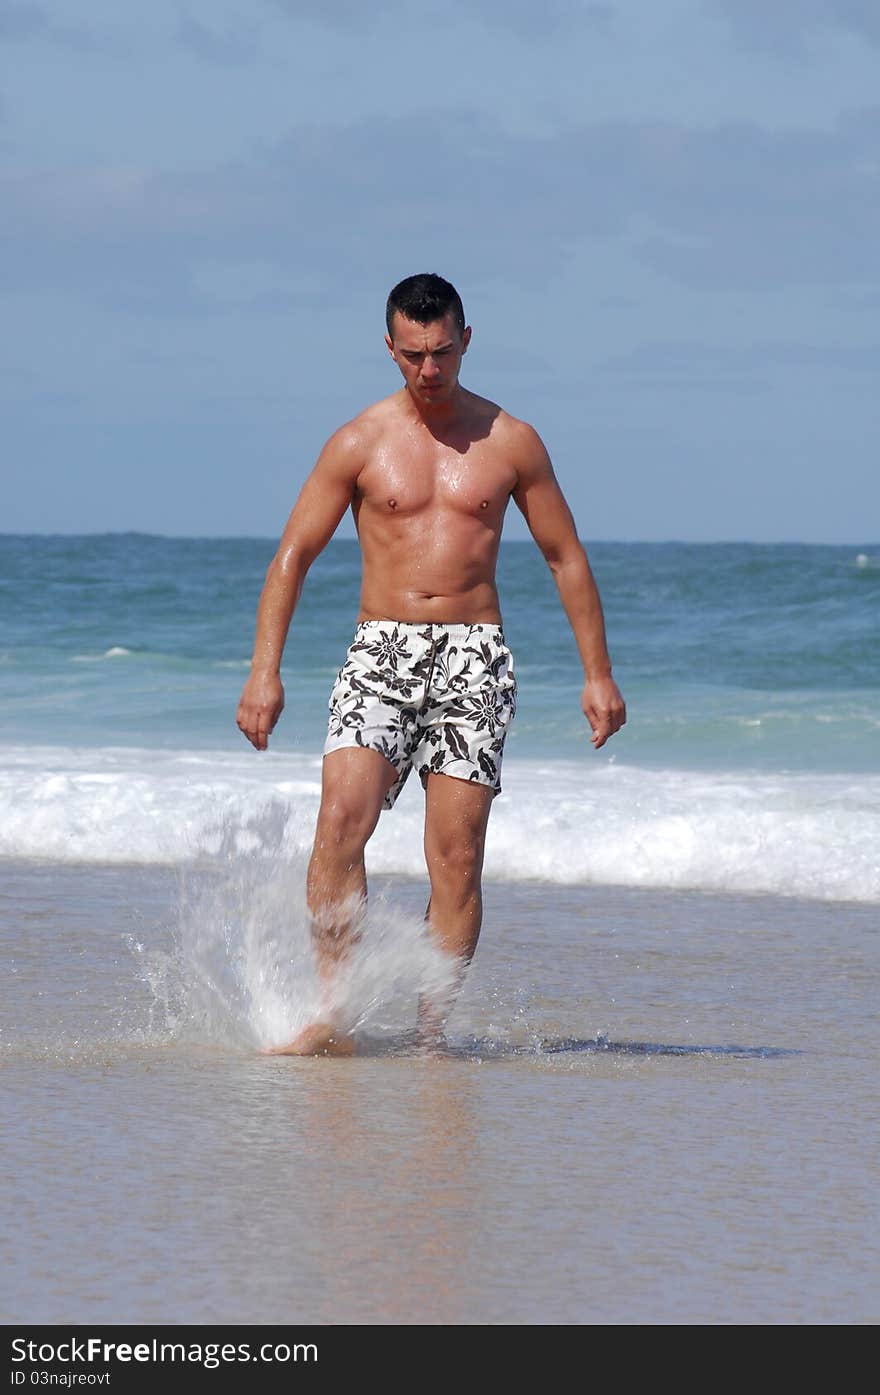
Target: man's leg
x,y
456,818
355,781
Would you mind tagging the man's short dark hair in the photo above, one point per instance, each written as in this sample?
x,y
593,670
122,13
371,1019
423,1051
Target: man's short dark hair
x,y
424,298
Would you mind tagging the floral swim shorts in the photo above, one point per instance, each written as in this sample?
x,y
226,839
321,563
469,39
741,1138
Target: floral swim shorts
x,y
435,697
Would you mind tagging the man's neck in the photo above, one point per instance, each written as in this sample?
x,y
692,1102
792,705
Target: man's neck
x,y
439,415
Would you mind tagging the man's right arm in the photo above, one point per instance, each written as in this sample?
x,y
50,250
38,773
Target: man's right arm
x,y
324,497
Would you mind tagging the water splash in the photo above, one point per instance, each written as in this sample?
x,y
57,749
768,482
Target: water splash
x,y
241,972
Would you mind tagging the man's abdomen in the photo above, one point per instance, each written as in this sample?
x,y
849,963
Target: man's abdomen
x,y
440,574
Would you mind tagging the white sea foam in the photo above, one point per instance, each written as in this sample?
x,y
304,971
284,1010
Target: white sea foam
x,y
242,969
566,822
116,651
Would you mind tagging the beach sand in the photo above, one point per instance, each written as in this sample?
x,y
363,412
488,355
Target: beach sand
x,y
656,1107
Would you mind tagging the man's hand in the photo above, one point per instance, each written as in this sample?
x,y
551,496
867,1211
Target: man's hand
x,y
262,703
604,708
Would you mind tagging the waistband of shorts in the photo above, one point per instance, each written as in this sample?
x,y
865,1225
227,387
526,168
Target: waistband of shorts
x,y
418,627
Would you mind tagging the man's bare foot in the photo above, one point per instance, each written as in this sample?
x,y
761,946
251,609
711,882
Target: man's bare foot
x,y
431,1022
320,1039
428,1037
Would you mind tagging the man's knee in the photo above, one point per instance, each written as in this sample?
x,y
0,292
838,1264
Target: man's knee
x,y
344,822
456,854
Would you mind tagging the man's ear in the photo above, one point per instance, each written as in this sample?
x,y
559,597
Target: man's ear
x,y
466,338
390,345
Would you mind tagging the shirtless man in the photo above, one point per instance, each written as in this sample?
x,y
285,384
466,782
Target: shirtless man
x,y
428,680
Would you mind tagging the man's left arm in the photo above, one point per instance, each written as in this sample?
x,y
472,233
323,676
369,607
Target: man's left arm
x,y
540,500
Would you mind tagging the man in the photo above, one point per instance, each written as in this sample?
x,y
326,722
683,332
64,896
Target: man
x,y
428,680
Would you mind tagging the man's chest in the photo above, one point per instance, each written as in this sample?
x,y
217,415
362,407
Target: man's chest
x,y
401,481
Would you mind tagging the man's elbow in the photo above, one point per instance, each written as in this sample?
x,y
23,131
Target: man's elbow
x,y
566,560
289,565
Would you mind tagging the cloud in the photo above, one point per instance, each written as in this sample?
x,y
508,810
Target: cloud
x,y
744,207
728,206
19,19
234,46
522,17
23,20
788,26
750,366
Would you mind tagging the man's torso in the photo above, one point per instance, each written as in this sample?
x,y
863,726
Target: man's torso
x,y
429,508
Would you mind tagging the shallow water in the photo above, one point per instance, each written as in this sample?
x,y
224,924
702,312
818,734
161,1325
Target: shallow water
x,y
655,1107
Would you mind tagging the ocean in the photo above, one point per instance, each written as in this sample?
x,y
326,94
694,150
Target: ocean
x,y
750,761
659,1099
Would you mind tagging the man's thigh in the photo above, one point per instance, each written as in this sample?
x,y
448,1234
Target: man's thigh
x,y
355,780
456,815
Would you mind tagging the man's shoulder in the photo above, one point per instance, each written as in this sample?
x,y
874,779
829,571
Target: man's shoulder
x,y
353,440
518,444
518,438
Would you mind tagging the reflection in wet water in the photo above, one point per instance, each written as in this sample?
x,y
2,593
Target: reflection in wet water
x,y
674,1093
488,1048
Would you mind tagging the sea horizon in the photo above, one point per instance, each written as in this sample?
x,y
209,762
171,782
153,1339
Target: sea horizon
x,y
350,536
751,673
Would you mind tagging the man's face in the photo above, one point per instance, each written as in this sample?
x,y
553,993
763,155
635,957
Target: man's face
x,y
429,356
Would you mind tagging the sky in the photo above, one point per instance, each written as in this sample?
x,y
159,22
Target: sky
x,y
663,219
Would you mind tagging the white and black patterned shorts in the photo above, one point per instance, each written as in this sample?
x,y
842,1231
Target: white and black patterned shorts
x,y
435,697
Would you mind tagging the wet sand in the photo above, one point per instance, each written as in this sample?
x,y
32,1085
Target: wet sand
x,y
655,1107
